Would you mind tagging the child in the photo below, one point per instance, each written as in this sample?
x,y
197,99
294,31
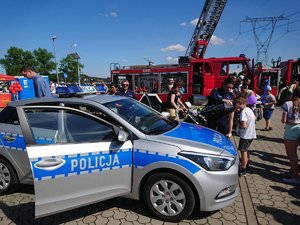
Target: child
x,y
246,131
268,109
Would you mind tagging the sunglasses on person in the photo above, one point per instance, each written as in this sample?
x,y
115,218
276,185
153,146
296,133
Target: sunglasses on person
x,y
125,85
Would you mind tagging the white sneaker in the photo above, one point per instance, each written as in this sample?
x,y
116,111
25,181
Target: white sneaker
x,y
291,181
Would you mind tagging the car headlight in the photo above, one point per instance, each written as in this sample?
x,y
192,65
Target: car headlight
x,y
210,162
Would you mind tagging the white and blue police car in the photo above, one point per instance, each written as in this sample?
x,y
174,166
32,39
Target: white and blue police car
x,y
77,151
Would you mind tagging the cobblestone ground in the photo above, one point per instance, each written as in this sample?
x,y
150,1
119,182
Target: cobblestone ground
x,y
18,208
264,199
274,202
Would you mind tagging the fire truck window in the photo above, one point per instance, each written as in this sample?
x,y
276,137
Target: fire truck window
x,y
234,69
295,72
273,79
169,78
223,70
269,79
207,68
146,83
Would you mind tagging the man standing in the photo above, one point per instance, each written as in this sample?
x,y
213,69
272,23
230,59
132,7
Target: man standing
x,y
221,119
124,91
41,88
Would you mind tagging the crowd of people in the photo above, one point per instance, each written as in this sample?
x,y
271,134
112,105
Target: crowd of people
x,y
238,103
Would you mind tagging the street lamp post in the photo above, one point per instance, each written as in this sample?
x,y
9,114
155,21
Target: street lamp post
x,y
53,39
78,69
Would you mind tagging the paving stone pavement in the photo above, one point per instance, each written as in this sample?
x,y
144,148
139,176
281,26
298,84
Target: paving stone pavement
x,y
263,198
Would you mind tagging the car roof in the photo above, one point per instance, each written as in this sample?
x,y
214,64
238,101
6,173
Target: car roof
x,y
102,99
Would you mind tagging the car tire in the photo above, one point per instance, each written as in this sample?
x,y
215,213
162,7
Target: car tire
x,y
8,177
168,197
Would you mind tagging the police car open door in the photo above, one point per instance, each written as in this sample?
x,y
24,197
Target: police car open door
x,y
76,158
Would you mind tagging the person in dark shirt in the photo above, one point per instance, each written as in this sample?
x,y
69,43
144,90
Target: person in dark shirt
x,y
173,101
113,89
41,88
125,91
222,119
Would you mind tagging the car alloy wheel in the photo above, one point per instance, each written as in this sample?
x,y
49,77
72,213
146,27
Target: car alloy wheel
x,y
169,197
8,178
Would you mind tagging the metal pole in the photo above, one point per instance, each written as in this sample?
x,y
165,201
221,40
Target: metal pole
x,y
53,38
78,71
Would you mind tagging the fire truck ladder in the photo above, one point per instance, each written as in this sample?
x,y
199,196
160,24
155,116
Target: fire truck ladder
x,y
208,20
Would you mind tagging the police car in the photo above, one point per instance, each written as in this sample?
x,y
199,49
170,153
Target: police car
x,y
77,151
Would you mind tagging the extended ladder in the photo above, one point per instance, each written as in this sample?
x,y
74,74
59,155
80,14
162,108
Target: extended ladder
x,y
208,20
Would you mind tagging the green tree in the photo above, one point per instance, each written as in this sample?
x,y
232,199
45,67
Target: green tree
x,y
44,63
69,65
15,59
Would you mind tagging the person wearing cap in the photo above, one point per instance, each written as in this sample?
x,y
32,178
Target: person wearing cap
x,y
269,106
41,88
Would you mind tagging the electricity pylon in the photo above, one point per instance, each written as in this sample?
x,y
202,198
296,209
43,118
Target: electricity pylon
x,y
263,46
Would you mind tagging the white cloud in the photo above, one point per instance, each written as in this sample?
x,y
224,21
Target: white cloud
x,y
113,14
183,24
216,40
194,21
172,48
171,59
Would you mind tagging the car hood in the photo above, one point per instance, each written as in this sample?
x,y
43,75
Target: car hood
x,y
196,138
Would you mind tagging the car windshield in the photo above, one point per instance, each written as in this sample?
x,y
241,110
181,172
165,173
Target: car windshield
x,y
141,117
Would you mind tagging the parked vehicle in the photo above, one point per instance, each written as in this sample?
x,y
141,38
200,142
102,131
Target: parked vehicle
x,y
77,151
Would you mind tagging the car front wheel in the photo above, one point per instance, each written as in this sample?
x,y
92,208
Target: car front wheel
x,y
169,197
8,178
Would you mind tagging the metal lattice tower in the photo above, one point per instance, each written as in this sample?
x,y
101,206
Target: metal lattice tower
x,y
263,46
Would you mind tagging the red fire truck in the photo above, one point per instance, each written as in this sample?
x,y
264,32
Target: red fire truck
x,y
268,76
290,71
196,74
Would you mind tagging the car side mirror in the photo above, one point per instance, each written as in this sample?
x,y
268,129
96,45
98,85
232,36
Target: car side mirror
x,y
122,135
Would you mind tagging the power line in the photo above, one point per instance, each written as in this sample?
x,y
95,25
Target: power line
x,y
293,13
263,46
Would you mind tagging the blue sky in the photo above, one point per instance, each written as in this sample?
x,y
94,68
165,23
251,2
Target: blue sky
x,y
128,31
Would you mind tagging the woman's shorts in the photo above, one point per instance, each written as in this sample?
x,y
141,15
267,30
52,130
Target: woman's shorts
x,y
244,144
292,132
267,113
173,113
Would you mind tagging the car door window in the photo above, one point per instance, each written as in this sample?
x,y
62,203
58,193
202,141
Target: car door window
x,y
55,126
9,116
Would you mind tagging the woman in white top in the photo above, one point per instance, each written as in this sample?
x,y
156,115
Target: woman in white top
x,y
291,119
